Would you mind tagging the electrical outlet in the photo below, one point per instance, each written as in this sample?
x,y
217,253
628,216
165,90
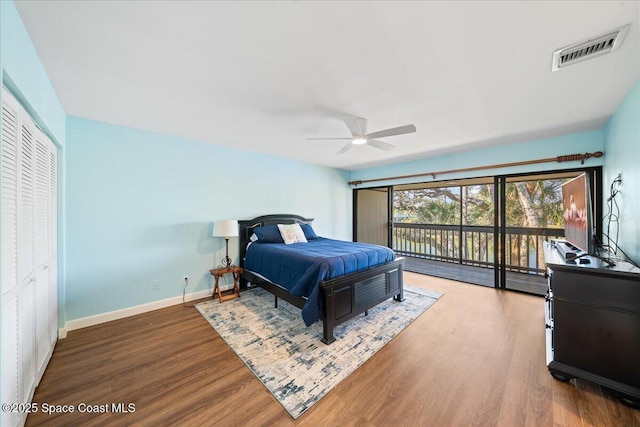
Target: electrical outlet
x,y
185,279
619,179
155,285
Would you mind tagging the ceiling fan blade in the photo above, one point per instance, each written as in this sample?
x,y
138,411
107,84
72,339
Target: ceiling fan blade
x,y
381,145
329,139
391,132
356,125
345,148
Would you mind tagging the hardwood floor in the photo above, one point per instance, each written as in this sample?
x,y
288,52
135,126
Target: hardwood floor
x,y
476,357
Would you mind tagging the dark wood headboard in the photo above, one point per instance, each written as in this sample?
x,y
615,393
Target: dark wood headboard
x,y
246,227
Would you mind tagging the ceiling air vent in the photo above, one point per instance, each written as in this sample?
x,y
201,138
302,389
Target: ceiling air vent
x,y
590,49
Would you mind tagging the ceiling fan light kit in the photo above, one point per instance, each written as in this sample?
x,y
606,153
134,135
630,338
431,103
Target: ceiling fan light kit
x,y
359,136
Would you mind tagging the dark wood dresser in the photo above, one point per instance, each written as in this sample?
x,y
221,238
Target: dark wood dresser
x,y
592,318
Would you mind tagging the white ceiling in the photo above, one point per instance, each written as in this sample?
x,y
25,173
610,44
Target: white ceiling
x,y
264,76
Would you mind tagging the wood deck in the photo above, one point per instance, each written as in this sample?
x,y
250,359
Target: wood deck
x,y
529,283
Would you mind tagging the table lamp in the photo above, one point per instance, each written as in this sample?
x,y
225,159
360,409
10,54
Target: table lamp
x,y
226,228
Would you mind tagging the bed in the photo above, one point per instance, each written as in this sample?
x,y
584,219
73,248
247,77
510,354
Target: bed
x,y
336,294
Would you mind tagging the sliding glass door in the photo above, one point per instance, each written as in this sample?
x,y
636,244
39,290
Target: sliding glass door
x,y
486,231
533,214
446,229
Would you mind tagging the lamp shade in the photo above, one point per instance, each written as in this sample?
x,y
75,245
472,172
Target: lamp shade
x,y
225,228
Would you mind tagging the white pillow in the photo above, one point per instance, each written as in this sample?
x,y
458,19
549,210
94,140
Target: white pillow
x,y
292,233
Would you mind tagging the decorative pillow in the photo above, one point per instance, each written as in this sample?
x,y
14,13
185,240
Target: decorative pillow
x,y
268,234
292,233
308,232
253,237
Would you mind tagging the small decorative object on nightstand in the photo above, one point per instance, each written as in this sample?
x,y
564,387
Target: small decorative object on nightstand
x,y
217,273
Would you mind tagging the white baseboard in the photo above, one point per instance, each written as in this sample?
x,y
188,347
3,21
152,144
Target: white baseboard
x,y
84,322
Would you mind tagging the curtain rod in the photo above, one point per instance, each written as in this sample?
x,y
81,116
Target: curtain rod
x,y
559,159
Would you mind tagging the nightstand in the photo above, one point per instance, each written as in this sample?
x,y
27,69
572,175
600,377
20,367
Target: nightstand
x,y
218,273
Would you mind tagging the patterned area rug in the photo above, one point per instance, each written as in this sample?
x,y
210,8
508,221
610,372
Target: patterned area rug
x,y
289,358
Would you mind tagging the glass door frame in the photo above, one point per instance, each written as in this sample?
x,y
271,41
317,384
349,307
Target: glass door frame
x,y
500,256
500,222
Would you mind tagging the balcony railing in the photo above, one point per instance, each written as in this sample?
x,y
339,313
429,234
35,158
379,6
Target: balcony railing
x,y
474,245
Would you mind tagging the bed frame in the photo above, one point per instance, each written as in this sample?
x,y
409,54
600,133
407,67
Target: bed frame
x,y
342,297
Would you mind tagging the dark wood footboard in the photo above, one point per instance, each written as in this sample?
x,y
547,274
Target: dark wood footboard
x,y
347,296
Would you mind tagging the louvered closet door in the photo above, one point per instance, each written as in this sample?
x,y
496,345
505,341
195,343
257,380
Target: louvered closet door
x,y
41,216
52,310
43,343
29,254
26,254
10,144
41,230
28,337
11,345
52,306
27,199
53,201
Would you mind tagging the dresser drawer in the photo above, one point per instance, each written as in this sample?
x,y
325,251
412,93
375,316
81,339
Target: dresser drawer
x,y
599,290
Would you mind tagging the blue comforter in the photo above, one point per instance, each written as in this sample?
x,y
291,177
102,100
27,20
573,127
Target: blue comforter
x,y
300,266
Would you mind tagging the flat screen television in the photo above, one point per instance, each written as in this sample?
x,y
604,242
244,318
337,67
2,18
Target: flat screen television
x,y
576,204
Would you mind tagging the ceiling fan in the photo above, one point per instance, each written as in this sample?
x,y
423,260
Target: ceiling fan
x,y
358,128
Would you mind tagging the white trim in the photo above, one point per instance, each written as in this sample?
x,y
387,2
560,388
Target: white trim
x,y
84,322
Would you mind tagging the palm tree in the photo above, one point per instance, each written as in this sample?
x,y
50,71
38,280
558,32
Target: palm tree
x,y
532,204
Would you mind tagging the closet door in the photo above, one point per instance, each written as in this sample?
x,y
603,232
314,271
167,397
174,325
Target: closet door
x,y
28,336
52,304
11,344
53,201
26,254
28,258
10,144
41,215
26,249
41,229
10,358
52,309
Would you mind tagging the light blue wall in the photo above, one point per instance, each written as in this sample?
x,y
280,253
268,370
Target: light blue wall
x,y
140,208
585,142
25,76
622,144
